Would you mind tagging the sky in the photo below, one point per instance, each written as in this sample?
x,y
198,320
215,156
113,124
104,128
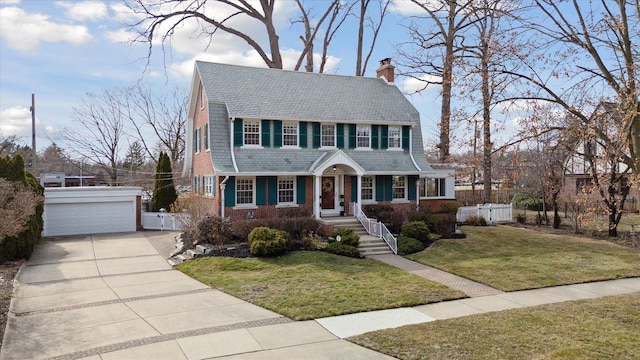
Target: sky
x,y
60,50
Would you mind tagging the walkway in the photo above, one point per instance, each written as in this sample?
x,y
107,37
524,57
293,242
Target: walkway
x,y
114,296
471,288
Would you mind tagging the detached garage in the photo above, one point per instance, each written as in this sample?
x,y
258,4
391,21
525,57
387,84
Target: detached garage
x,y
91,210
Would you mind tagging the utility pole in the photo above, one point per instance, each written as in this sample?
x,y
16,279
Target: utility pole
x,y
34,161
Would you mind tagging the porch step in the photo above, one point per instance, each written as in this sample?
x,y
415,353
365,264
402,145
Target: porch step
x,y
369,245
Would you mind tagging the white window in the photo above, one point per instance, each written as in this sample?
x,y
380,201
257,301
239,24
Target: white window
x,y
367,188
399,187
209,185
363,134
286,190
197,140
206,136
328,136
201,96
395,138
431,187
244,191
290,134
251,132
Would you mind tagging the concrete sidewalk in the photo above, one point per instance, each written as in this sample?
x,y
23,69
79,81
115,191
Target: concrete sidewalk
x,y
114,296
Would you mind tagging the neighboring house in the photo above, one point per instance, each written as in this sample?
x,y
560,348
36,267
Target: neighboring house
x,y
578,171
262,142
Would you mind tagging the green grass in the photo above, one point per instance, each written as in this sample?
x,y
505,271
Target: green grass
x,y
605,328
509,258
307,285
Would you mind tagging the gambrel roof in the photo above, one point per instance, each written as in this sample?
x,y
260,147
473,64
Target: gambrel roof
x,y
292,95
271,94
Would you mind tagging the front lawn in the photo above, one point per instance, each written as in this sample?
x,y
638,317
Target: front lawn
x,y
510,259
307,285
605,328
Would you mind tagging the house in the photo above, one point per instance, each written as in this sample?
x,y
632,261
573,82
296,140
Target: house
x,y
579,170
266,142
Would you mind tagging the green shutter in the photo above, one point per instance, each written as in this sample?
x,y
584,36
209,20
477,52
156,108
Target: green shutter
x,y
379,187
230,192
261,190
340,135
277,133
238,138
405,137
388,194
374,137
273,190
384,141
195,140
302,129
266,133
301,187
411,184
315,130
206,136
352,136
354,188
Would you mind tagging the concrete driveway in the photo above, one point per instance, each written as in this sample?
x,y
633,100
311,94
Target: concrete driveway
x,y
114,296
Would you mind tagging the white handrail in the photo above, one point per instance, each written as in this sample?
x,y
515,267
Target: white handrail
x,y
374,228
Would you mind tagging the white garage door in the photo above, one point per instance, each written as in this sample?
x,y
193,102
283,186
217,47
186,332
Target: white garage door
x,y
89,218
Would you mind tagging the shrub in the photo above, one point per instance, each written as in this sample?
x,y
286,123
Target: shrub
x,y
213,230
408,245
476,221
521,218
347,237
339,248
164,191
268,242
417,230
296,227
387,215
433,222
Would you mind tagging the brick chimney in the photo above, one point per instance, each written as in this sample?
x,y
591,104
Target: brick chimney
x,y
386,70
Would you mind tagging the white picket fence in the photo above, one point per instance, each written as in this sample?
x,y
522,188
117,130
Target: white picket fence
x,y
162,221
493,213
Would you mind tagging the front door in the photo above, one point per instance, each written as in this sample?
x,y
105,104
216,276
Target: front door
x,y
328,193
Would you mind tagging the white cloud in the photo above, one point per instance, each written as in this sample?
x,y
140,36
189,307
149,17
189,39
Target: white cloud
x,y
84,10
412,85
406,8
24,31
121,36
123,14
16,121
9,2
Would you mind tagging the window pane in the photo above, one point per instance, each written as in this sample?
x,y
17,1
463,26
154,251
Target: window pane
x,y
362,136
285,190
431,187
252,133
290,134
399,187
328,135
367,188
244,191
394,137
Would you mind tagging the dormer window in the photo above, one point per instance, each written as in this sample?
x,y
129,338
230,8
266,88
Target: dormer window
x,y
328,132
395,139
363,135
252,132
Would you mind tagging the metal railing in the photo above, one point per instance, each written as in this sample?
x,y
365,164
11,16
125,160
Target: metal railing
x,y
374,228
493,213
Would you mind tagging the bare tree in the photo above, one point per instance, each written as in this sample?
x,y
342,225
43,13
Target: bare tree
x,y
434,52
163,115
99,131
584,53
366,20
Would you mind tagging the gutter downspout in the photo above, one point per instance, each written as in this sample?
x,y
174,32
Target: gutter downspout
x,y
233,155
223,186
416,165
